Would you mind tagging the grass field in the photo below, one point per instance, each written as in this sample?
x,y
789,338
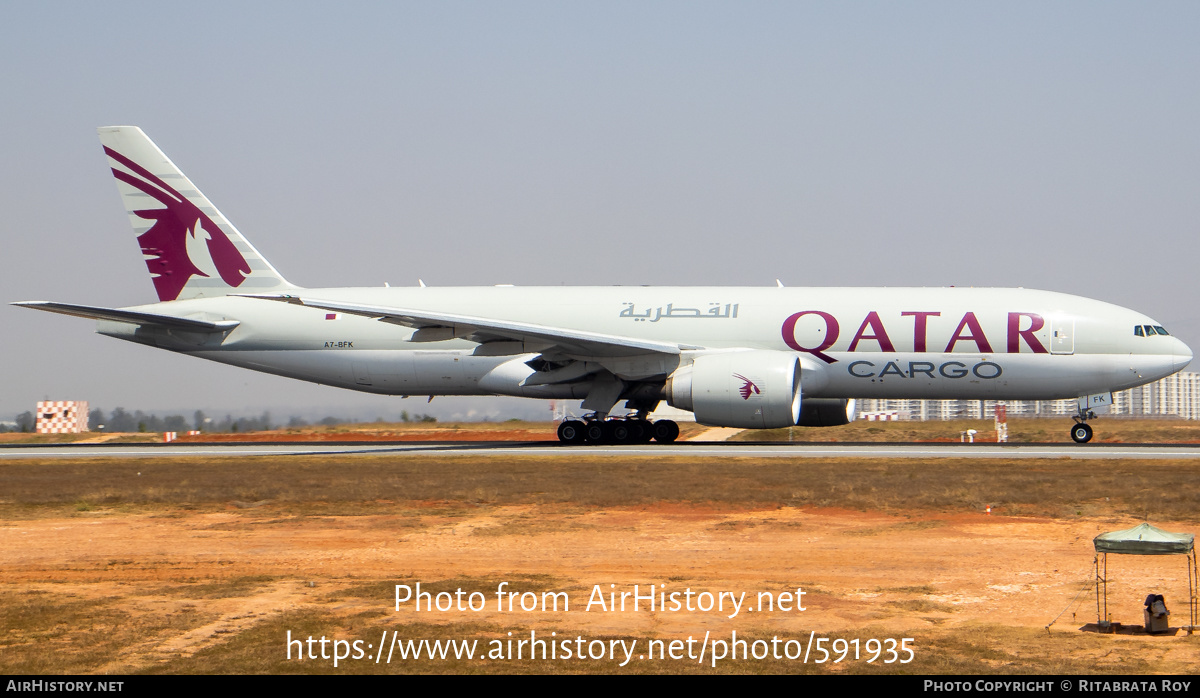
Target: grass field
x,y
1159,489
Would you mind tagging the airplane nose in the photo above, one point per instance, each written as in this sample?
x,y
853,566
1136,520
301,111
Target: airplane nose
x,y
1183,355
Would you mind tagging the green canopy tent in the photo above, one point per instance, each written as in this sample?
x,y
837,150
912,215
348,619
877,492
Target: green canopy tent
x,y
1144,539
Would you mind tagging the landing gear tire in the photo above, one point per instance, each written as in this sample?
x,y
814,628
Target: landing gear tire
x,y
665,431
617,431
571,432
1081,433
641,431
594,432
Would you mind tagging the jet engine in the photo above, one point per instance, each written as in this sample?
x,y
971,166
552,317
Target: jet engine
x,y
826,412
749,389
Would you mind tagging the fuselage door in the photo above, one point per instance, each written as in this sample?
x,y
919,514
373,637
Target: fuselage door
x,y
1062,336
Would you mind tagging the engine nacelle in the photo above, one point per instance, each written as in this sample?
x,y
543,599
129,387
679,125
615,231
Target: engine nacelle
x,y
826,412
749,389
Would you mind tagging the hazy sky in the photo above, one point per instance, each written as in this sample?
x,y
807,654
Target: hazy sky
x,y
1047,145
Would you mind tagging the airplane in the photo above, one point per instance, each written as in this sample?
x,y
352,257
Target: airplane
x,y
748,357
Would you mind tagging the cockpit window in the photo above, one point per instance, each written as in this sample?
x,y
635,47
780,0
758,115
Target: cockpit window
x,y
1150,331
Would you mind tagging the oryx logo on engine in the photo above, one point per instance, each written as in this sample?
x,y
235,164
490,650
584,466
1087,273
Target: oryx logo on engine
x,y
748,387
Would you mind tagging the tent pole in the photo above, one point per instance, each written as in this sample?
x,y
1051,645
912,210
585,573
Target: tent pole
x,y
1192,584
1104,579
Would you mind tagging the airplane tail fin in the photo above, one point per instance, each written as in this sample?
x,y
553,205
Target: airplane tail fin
x,y
191,250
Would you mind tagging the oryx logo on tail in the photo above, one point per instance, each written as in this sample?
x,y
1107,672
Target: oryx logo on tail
x,y
748,387
172,246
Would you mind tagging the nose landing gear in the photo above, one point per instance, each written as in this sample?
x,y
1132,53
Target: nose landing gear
x,y
1081,433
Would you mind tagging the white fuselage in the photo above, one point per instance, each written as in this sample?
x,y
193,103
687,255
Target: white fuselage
x,y
939,343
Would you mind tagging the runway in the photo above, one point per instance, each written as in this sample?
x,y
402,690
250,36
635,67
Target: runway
x,y
707,449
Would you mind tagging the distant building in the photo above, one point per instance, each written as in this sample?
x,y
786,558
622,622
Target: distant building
x,y
884,416
1177,396
62,417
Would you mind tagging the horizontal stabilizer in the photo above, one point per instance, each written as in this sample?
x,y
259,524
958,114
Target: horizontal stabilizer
x,y
131,316
573,342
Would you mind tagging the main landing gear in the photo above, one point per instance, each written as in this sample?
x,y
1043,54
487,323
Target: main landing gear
x,y
622,430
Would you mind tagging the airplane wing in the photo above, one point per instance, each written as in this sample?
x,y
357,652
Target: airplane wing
x,y
575,343
131,316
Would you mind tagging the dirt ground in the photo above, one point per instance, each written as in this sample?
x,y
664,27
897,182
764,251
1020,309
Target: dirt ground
x,y
178,589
